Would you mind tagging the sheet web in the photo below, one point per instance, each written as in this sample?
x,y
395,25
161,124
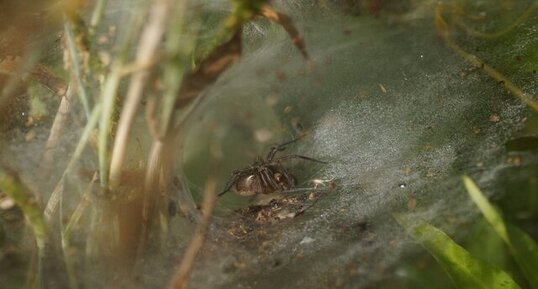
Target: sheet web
x,y
397,115
387,107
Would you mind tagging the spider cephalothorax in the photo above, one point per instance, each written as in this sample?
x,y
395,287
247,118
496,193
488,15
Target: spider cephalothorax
x,y
266,176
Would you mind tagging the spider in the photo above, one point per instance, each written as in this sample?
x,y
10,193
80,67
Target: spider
x,y
267,176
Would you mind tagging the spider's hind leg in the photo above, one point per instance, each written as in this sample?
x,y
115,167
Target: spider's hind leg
x,y
303,190
295,156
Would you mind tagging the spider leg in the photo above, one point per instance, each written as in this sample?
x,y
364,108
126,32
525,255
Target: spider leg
x,y
264,178
269,174
302,190
288,157
278,148
289,178
235,177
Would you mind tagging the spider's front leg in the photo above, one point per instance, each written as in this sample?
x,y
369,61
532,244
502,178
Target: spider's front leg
x,y
278,148
231,182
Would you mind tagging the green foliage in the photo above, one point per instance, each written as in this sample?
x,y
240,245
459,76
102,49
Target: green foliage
x,y
464,270
244,10
523,248
483,243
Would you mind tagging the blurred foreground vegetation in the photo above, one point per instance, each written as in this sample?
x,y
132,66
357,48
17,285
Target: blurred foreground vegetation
x,y
102,95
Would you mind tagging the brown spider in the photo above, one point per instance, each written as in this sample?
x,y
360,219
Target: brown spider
x,y
266,176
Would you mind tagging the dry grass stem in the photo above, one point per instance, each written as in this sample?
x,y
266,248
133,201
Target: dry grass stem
x,y
181,277
147,49
59,121
56,195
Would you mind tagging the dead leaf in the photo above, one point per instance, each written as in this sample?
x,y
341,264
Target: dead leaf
x,y
285,21
209,70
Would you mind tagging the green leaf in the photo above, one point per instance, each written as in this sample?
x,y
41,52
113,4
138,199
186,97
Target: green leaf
x,y
523,248
15,189
464,270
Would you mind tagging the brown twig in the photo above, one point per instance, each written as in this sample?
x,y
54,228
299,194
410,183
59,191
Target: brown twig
x,y
444,31
181,277
209,70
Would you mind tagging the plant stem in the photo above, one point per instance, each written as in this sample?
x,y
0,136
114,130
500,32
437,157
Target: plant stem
x,y
75,64
146,52
181,278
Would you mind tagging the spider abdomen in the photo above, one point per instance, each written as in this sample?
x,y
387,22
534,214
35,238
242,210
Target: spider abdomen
x,y
248,186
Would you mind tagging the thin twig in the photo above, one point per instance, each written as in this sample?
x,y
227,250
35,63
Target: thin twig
x,y
181,277
493,35
444,32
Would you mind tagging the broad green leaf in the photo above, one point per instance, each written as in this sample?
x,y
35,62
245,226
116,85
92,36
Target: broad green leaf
x,y
464,270
482,242
523,248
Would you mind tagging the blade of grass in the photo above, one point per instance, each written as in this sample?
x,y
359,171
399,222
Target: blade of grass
x,y
108,95
54,199
96,16
66,232
464,270
178,47
108,99
59,121
75,64
523,248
